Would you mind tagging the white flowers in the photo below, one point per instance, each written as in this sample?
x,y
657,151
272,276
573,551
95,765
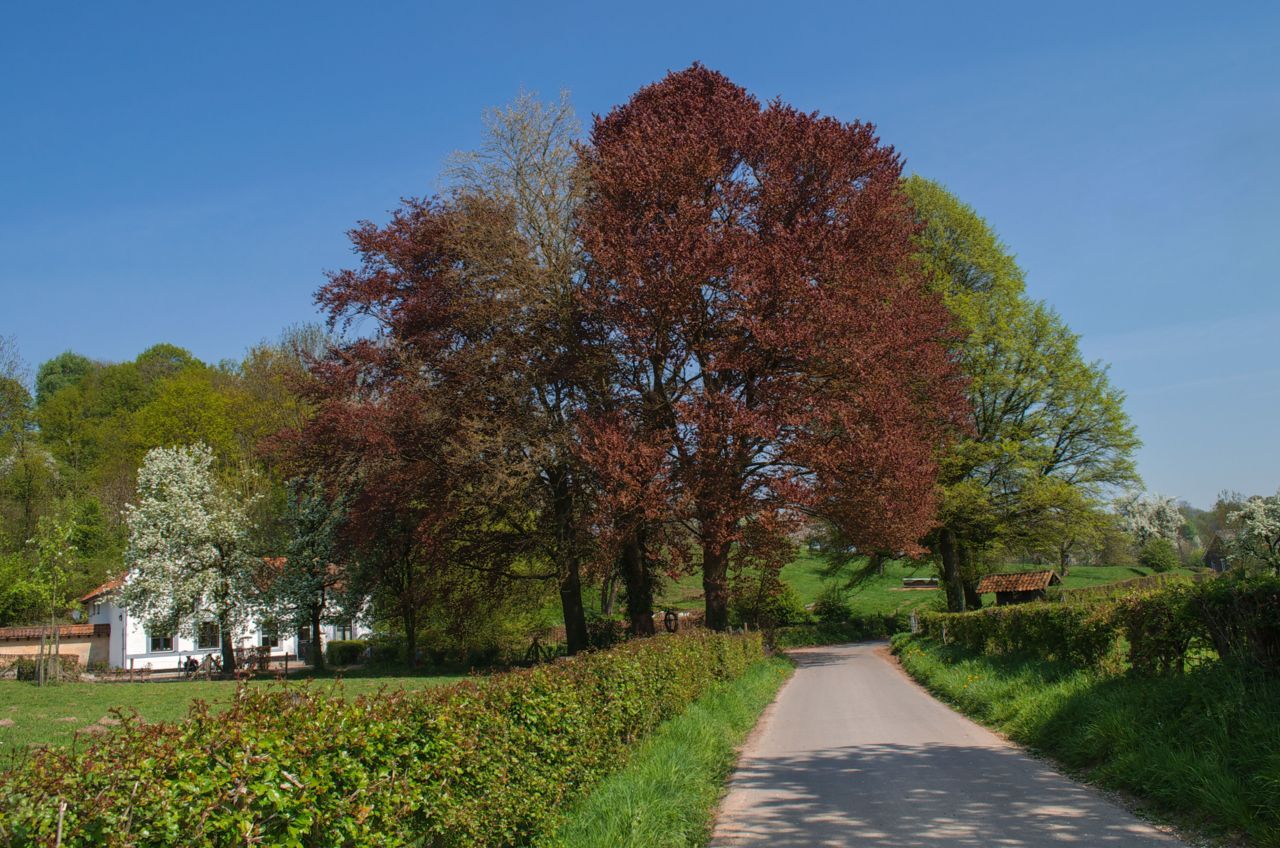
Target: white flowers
x,y
186,556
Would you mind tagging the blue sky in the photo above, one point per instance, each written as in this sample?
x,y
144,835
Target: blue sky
x,y
186,172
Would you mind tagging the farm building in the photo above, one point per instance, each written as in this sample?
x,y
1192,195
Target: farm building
x,y
130,645
1018,587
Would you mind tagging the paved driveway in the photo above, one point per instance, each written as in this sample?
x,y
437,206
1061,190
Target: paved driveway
x,y
854,753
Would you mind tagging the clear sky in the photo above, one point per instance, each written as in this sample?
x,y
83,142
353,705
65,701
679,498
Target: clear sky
x,y
185,172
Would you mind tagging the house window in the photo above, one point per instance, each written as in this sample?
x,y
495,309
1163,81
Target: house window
x,y
161,644
97,608
270,636
344,631
209,637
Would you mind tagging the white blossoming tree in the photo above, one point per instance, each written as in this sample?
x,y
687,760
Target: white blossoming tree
x,y
1150,517
187,556
1258,532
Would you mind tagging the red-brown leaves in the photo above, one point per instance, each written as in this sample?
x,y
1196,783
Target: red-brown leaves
x,y
753,268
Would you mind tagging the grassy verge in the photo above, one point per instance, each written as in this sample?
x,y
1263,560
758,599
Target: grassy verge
x,y
1202,748
53,715
667,792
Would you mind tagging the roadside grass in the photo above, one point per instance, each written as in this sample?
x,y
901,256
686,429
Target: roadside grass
x,y
53,715
667,793
1201,748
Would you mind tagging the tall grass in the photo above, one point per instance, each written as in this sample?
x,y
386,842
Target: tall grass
x,y
1201,747
665,797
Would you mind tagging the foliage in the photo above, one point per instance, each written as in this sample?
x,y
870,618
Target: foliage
x,y
1158,554
832,605
1148,517
68,668
779,606
345,651
1048,433
666,794
187,555
750,269
284,766
1203,746
1084,636
1258,535
858,628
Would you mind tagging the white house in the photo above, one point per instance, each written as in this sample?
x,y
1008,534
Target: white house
x,y
131,645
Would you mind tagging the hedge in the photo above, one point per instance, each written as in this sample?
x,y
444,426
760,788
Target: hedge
x,y
1234,618
484,762
344,651
1085,636
836,632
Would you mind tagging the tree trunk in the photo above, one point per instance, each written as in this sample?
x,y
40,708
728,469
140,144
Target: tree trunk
x,y
409,617
715,584
877,563
639,586
949,548
608,592
317,650
228,646
575,616
968,576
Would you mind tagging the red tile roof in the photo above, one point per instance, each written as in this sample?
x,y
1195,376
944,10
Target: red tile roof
x,y
1018,581
105,589
65,631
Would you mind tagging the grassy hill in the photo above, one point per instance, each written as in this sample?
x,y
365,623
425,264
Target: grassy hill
x,y
809,573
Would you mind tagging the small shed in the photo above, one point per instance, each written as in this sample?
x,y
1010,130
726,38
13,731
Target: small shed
x,y
1018,587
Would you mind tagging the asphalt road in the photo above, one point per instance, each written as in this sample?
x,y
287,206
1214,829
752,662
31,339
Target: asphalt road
x,y
854,753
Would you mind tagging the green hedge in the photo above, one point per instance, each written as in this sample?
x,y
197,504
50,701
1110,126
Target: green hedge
x,y
1230,617
836,632
484,762
344,651
1085,636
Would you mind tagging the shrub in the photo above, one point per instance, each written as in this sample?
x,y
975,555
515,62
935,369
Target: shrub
x,y
857,629
605,632
779,608
1085,636
344,651
25,667
832,605
484,762
1159,555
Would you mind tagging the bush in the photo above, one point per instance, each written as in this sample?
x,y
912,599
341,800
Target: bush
x,y
858,629
832,605
25,667
1159,555
344,651
1083,636
779,608
484,762
605,632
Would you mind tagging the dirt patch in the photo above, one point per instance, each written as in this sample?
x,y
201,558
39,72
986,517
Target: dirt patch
x,y
93,729
108,721
67,719
7,722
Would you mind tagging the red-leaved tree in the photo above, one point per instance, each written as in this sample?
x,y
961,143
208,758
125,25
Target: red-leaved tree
x,y
752,271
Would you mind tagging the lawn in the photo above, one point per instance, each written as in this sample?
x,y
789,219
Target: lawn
x,y
54,715
883,593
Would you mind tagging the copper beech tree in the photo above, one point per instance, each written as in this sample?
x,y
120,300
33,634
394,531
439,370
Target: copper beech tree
x,y
775,346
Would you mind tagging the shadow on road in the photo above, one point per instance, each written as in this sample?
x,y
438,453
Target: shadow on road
x,y
920,796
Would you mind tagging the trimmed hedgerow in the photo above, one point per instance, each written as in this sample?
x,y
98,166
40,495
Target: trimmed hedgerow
x,y
1084,636
855,629
1230,617
483,762
344,651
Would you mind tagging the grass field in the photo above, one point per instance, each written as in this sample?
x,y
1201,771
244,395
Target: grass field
x,y
666,794
876,594
1202,747
54,715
